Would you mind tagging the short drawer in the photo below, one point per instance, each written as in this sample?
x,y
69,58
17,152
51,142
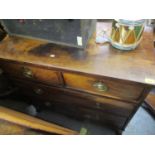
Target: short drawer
x,y
104,86
28,72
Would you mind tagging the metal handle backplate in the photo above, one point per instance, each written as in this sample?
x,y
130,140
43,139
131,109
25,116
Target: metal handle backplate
x,y
100,86
27,72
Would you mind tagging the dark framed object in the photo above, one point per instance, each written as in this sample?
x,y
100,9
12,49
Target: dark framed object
x,y
69,32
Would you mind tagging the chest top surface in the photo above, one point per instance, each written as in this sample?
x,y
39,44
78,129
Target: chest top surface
x,y
103,60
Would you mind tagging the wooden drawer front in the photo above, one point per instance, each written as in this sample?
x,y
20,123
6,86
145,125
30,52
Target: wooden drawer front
x,y
113,120
105,87
33,73
70,99
82,112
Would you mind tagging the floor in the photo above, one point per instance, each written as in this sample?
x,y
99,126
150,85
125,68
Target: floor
x,y
141,124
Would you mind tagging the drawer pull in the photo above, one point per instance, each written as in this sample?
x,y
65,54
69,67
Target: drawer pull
x,y
100,86
27,72
38,91
98,105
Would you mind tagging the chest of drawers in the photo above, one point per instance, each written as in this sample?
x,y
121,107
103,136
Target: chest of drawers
x,y
101,83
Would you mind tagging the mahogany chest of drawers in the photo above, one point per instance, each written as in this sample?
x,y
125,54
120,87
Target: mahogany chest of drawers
x,y
101,83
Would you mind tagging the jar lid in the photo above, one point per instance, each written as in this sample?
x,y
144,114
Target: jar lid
x,y
131,22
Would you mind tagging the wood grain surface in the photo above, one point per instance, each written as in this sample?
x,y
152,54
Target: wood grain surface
x,y
8,128
19,70
104,60
115,88
32,122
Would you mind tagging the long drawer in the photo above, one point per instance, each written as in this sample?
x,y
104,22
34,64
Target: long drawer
x,y
104,86
33,73
75,103
81,112
74,98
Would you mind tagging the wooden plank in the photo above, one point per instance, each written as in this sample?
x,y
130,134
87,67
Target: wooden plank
x,y
8,128
32,122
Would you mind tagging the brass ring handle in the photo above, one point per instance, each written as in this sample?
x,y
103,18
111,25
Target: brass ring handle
x,y
100,86
38,91
27,72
